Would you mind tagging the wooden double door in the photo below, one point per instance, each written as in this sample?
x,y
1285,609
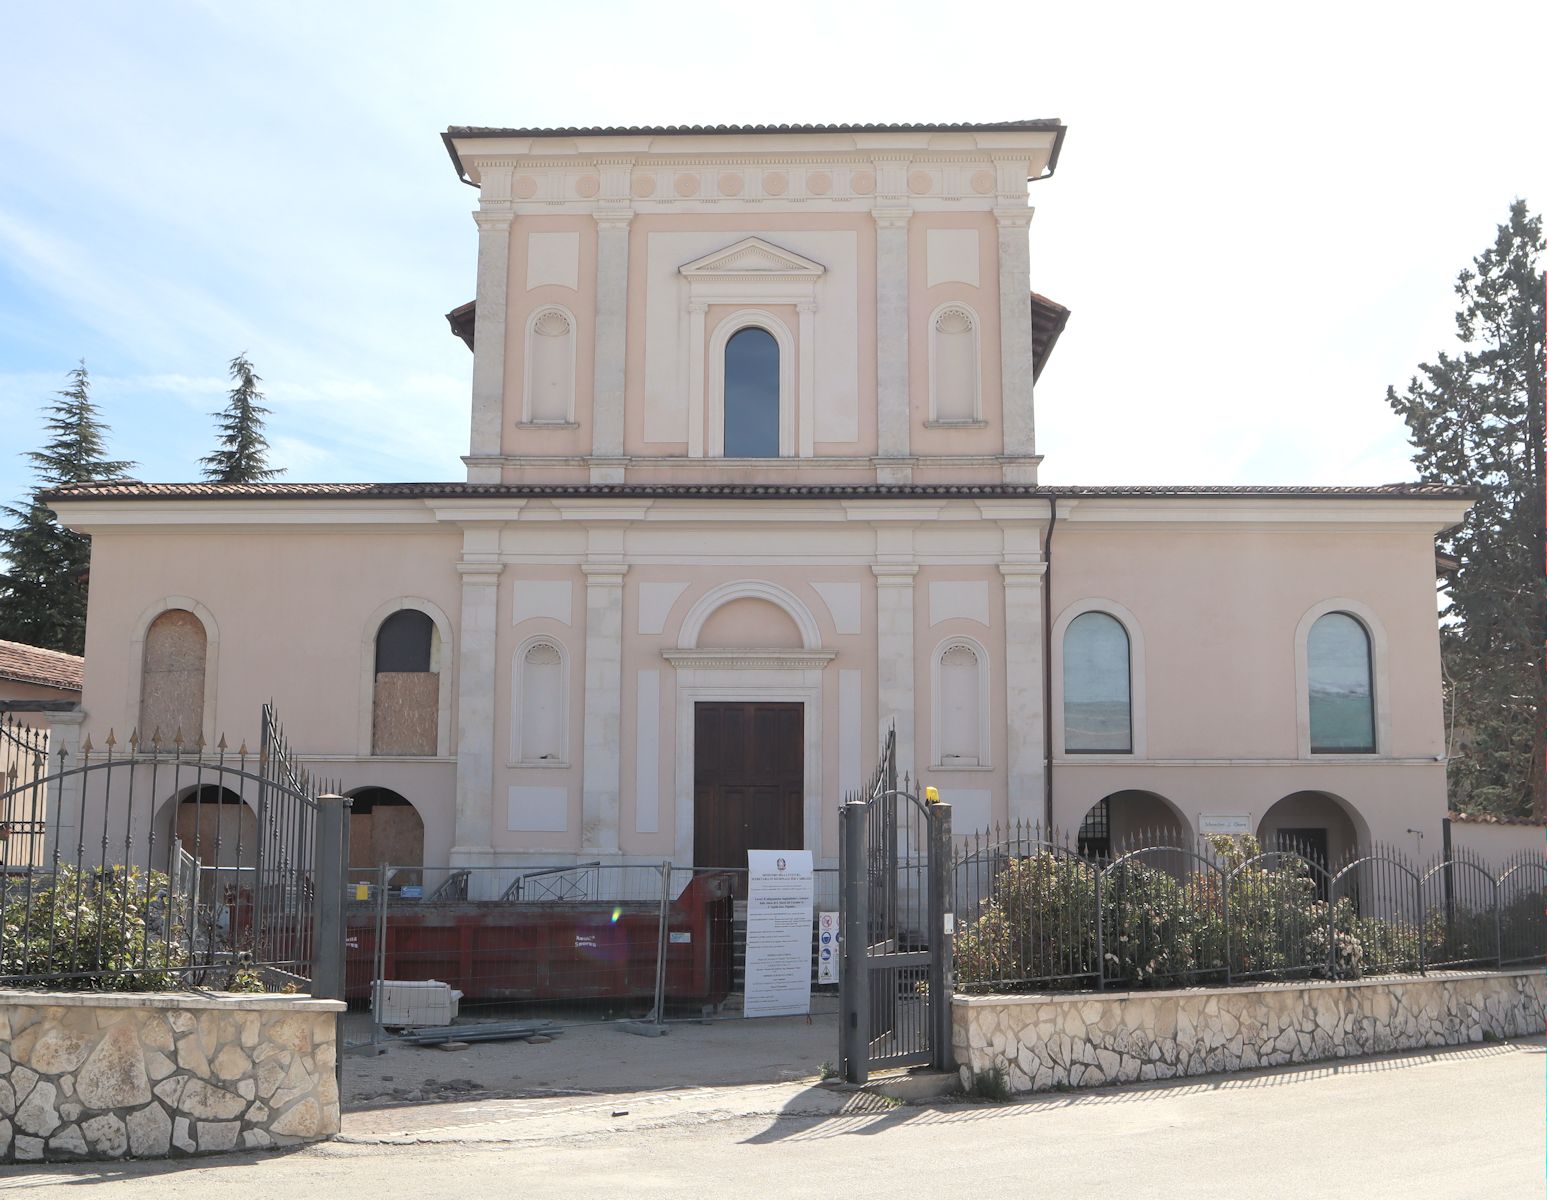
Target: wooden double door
x,y
748,781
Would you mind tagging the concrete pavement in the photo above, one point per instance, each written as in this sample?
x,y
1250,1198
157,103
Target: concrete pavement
x,y
1456,1123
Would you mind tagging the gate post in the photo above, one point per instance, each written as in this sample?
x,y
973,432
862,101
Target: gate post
x,y
328,851
854,975
941,937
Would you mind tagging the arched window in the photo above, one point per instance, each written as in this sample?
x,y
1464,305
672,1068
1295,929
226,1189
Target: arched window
x,y
1097,693
406,707
550,372
959,715
1337,654
752,394
172,679
541,697
954,365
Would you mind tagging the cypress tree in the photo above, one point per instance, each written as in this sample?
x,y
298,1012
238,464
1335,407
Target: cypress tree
x,y
243,453
43,591
1477,418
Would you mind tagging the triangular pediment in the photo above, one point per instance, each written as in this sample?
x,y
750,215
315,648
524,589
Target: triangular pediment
x,y
753,256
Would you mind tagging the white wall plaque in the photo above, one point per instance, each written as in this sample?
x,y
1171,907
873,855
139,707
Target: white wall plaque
x,y
1233,824
779,904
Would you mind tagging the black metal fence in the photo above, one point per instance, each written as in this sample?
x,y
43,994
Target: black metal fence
x,y
23,761
157,865
1039,911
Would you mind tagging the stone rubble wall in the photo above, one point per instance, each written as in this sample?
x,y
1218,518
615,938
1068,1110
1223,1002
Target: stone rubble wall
x,y
121,1075
1054,1041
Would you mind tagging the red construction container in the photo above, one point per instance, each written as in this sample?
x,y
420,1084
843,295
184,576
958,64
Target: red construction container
x,y
551,949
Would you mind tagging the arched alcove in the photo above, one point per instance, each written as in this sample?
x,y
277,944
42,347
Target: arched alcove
x,y
385,827
749,622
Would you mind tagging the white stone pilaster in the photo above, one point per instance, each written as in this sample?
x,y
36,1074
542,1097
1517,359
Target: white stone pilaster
x,y
894,656
494,228
1024,711
612,224
892,213
472,842
806,384
697,369
1015,343
602,773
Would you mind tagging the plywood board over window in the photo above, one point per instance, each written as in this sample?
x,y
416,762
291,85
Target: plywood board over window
x,y
405,708
172,678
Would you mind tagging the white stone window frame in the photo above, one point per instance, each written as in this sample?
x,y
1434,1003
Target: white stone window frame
x,y
937,717
444,659
1138,711
527,357
1379,660
935,419
517,691
211,662
751,274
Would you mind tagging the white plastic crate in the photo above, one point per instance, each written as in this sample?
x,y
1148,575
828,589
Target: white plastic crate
x,y
415,1002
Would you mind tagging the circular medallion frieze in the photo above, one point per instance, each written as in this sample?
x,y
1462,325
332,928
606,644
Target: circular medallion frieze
x,y
920,182
863,182
643,185
982,182
776,183
523,187
731,184
819,183
588,185
686,185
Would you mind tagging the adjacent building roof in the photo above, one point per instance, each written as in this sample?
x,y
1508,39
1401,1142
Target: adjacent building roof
x,y
133,489
1048,319
1035,125
47,668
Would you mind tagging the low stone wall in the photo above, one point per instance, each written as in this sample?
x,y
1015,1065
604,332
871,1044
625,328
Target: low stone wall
x,y
126,1075
1061,1040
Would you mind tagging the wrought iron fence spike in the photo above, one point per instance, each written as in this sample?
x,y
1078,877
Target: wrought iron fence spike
x,y
155,740
86,746
177,739
221,745
111,739
134,740
200,743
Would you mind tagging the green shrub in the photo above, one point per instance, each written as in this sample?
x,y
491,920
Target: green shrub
x,y
84,930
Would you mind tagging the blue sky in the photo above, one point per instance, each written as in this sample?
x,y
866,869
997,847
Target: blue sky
x,y
1257,218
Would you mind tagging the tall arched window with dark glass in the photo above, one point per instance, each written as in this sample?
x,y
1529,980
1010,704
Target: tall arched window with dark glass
x,y
1098,698
1342,701
752,394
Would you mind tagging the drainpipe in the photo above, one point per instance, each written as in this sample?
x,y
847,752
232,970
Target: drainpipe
x,y
1047,668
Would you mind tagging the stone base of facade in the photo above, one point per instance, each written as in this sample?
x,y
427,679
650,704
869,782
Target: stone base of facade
x,y
1051,1041
95,1075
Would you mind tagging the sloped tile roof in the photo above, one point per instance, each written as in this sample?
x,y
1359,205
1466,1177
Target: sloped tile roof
x,y
571,131
33,664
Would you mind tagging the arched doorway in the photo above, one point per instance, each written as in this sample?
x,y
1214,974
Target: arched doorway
x,y
1318,825
385,827
1129,819
215,825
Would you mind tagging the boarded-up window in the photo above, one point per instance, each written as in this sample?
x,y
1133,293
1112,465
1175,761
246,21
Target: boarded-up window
x,y
955,366
172,679
552,367
406,710
959,716
540,717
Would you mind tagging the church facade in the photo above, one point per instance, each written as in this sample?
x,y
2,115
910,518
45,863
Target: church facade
x,y
752,478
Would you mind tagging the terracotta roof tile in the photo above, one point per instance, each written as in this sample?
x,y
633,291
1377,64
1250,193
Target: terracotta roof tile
x,y
33,664
135,490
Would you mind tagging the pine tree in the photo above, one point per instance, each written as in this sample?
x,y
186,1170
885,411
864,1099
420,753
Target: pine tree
x,y
242,457
43,592
1477,419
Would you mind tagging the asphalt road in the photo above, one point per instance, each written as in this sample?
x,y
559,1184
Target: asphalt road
x,y
1459,1123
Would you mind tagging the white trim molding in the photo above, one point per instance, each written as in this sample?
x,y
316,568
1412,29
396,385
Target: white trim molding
x,y
441,662
1138,709
936,724
1379,657
136,672
517,684
752,272
527,356
749,589
975,330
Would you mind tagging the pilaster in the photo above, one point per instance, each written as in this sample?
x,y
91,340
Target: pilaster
x,y
894,572
891,213
485,440
1024,711
602,773
1015,342
473,837
613,215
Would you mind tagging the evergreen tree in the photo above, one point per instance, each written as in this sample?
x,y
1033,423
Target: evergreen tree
x,y
1477,419
242,457
43,592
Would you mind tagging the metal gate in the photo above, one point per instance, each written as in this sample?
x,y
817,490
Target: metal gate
x,y
896,973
